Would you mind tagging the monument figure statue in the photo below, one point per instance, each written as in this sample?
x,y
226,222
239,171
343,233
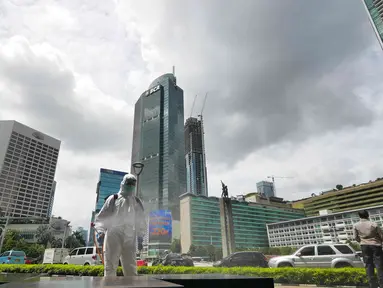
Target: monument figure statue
x,y
225,192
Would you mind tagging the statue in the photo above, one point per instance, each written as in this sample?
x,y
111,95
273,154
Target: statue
x,y
225,192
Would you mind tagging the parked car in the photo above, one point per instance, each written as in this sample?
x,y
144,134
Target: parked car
x,y
243,259
141,262
13,257
83,256
173,259
320,256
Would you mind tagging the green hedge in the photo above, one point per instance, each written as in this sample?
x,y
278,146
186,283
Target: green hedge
x,y
328,277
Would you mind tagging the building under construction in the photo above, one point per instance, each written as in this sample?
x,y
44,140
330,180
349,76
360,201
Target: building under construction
x,y
196,172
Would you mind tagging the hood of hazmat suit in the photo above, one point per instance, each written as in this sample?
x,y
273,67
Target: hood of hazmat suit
x,y
122,220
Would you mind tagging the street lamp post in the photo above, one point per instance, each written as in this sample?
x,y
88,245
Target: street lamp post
x,y
138,167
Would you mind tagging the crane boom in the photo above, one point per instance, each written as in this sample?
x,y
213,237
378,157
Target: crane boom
x,y
280,177
191,112
204,102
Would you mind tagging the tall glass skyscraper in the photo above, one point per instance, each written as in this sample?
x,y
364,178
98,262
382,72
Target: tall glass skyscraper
x,y
375,12
158,142
109,183
196,174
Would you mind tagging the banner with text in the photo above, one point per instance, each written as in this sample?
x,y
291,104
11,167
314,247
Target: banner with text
x,y
160,226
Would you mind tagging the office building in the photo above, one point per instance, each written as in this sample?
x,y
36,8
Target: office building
x,y
109,182
201,226
158,143
349,198
28,161
324,229
374,10
196,172
51,201
266,188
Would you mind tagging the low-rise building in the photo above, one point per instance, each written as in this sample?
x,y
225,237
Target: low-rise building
x,y
201,226
348,198
326,228
27,227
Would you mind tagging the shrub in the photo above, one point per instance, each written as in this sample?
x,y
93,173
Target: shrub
x,y
327,277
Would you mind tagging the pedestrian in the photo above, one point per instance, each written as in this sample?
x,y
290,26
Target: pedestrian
x,y
120,221
370,237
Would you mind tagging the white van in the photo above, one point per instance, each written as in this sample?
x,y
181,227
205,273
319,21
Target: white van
x,y
83,256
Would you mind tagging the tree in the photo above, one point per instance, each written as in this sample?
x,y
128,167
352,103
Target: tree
x,y
44,235
72,242
339,187
56,243
79,237
200,251
176,246
218,254
192,249
211,252
354,245
34,250
10,240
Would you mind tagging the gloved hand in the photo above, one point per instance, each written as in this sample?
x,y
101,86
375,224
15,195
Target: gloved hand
x,y
140,241
100,238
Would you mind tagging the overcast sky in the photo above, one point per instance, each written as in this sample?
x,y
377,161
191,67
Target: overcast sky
x,y
294,87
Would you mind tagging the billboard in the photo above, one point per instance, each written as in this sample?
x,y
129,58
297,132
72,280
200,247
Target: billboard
x,y
376,17
160,226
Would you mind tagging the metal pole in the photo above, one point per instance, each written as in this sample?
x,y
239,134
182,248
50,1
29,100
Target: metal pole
x,y
138,186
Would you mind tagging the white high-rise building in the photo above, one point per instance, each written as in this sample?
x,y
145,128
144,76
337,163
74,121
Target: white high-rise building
x,y
28,160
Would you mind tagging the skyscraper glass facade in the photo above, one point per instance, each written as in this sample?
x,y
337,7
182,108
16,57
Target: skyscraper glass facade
x,y
201,226
375,12
158,143
196,174
109,183
266,188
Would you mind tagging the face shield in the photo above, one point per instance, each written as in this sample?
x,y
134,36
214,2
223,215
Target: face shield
x,y
128,185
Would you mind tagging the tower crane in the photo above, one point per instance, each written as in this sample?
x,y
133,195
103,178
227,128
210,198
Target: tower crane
x,y
203,144
191,112
203,105
279,177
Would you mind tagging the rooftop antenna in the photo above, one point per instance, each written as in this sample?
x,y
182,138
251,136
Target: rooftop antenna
x,y
174,74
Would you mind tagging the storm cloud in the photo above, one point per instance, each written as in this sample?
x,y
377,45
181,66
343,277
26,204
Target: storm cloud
x,y
293,87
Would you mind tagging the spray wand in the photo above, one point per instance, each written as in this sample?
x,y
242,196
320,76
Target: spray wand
x,y
99,250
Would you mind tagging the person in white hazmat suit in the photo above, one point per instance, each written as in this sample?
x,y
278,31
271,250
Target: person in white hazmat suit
x,y
119,222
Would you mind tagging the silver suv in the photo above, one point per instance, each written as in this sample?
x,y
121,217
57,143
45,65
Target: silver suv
x,y
320,256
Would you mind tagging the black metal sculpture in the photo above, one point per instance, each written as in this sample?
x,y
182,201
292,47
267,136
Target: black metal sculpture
x,y
225,191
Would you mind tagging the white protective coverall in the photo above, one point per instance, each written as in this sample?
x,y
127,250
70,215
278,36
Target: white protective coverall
x,y
121,220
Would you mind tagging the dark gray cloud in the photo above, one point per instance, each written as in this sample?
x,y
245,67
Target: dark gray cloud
x,y
48,98
264,60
